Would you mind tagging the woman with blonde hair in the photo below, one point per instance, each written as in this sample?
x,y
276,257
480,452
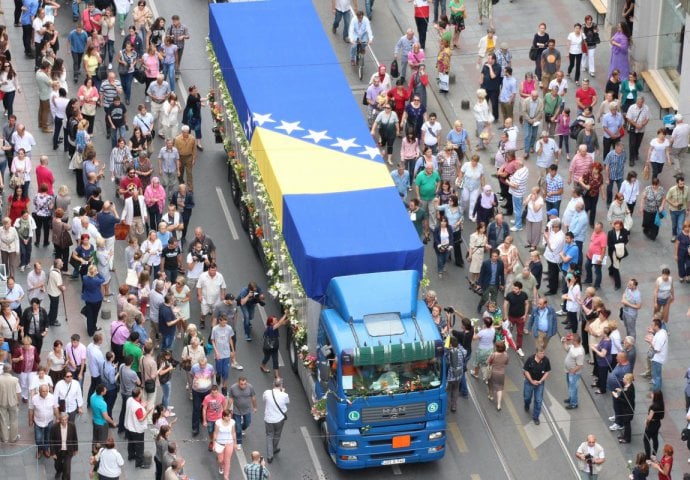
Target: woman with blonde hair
x,y
103,257
191,355
483,118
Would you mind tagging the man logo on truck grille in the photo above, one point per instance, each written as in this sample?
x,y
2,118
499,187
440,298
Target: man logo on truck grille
x,y
393,412
432,408
353,416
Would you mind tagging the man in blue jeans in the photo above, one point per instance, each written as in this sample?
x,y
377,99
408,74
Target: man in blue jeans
x,y
677,200
659,344
167,322
536,370
242,402
247,299
574,361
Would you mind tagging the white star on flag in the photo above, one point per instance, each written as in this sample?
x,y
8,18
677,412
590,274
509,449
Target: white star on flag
x,y
249,126
371,152
345,144
316,137
289,127
260,119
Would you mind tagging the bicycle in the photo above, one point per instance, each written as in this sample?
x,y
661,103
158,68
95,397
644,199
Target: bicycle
x,y
359,58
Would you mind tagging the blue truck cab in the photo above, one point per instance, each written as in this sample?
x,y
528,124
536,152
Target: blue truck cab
x,y
384,377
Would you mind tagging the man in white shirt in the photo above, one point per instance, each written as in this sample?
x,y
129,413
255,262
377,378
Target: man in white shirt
x,y
95,361
574,361
42,413
560,82
658,340
431,132
555,241
36,282
276,403
22,139
359,31
591,457
679,140
209,289
512,131
69,391
341,9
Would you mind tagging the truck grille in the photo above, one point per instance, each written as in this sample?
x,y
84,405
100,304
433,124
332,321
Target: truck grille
x,y
386,413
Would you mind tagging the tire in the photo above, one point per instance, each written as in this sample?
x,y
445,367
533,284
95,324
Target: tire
x,y
235,190
251,232
244,217
323,428
292,353
360,68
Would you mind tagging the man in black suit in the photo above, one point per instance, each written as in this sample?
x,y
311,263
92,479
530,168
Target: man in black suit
x,y
64,445
491,278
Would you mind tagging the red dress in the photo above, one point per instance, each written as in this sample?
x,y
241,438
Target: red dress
x,y
666,460
16,207
399,97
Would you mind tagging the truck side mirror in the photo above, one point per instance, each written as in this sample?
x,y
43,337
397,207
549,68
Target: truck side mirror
x,y
324,372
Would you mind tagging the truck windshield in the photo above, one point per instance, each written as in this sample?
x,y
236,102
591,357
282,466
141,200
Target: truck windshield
x,y
385,379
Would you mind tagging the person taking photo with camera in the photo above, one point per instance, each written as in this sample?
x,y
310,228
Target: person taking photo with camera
x,y
591,457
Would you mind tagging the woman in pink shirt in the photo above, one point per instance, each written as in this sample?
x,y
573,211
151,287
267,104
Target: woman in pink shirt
x,y
409,153
581,164
154,197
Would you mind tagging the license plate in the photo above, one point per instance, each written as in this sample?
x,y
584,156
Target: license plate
x,y
394,461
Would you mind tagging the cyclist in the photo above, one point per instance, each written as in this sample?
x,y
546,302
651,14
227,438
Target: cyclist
x,y
360,32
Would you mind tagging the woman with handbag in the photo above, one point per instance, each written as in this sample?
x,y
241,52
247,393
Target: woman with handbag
x,y
21,167
618,210
271,343
191,116
443,244
652,205
108,462
591,31
224,442
10,327
82,256
616,240
9,86
191,354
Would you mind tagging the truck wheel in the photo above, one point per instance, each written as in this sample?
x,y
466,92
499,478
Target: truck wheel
x,y
244,217
251,232
323,426
292,352
235,190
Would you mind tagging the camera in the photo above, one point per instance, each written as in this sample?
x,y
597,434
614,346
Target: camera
x,y
449,309
174,363
589,458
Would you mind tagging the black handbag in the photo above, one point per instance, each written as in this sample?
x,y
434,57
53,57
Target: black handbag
x,y
685,434
364,99
494,2
150,386
102,72
533,53
395,71
139,75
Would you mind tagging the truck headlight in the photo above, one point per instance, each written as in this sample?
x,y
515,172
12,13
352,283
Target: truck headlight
x,y
348,444
435,435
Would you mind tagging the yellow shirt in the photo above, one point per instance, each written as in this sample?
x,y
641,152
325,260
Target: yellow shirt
x,y
91,64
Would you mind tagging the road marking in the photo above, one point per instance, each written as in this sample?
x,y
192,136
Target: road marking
x,y
457,437
475,476
226,212
262,314
242,461
396,469
509,386
492,436
560,415
559,438
520,428
312,453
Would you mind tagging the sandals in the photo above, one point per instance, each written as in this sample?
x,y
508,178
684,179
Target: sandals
x,y
265,370
474,375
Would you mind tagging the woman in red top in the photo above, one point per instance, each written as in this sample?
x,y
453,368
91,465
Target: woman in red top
x,y
25,362
666,463
592,182
399,95
18,203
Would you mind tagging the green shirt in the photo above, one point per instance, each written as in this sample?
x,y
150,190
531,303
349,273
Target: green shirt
x,y
427,184
677,196
135,351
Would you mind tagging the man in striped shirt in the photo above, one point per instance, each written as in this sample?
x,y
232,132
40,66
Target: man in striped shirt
x,y
110,89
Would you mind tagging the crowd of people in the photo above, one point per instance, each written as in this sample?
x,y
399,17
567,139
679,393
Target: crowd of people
x,y
444,182
139,191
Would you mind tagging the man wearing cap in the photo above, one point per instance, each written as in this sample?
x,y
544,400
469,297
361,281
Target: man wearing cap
x,y
638,116
679,141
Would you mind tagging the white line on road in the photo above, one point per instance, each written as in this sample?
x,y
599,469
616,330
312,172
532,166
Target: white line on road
x,y
242,461
226,212
312,453
262,314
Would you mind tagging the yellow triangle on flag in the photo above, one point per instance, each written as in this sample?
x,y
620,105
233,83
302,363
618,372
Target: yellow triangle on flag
x,y
290,165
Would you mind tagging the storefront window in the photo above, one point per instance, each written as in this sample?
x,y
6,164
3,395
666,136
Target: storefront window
x,y
671,37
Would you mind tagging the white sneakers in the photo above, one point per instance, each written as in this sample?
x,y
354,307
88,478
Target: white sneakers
x,y
237,366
